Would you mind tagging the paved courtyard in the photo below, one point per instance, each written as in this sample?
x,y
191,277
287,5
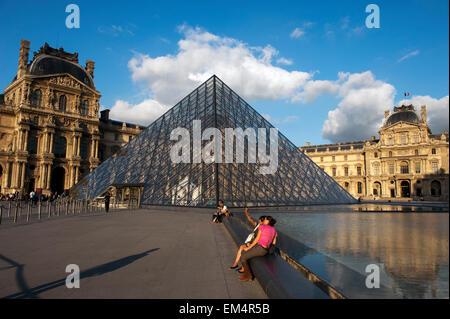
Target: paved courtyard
x,y
147,253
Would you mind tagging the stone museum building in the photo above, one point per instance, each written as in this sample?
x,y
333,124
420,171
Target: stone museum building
x,y
406,161
51,134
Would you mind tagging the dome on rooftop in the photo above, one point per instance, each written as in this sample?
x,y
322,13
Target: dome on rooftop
x,y
403,114
49,60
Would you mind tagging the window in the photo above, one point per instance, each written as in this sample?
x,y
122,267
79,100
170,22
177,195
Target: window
x,y
62,103
358,170
59,147
403,139
434,167
417,166
346,171
345,157
404,168
84,107
359,188
433,151
346,185
32,144
84,147
36,98
416,152
376,154
416,138
334,171
333,158
390,154
391,168
376,169
391,140
116,137
321,159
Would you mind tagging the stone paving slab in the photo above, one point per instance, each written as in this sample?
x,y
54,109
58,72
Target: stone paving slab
x,y
147,253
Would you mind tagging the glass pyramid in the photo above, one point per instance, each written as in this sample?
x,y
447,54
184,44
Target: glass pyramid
x,y
146,161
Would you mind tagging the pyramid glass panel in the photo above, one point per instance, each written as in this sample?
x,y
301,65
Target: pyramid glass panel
x,y
146,161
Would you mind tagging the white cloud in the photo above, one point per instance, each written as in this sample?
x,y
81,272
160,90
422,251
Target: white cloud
x,y
142,113
437,111
408,55
360,112
248,70
297,33
314,89
284,61
116,30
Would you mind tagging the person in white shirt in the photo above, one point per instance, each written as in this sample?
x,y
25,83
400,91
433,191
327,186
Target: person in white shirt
x,y
221,211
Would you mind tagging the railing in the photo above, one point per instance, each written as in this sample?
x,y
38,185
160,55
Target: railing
x,y
24,211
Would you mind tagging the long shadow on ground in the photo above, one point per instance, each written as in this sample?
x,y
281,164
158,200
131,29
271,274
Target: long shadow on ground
x,y
27,292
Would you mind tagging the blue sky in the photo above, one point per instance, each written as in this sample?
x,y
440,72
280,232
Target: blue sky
x,y
408,53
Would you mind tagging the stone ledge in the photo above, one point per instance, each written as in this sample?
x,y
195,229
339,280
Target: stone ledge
x,y
278,279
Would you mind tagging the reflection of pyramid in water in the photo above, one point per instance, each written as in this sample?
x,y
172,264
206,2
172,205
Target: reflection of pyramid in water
x,y
145,160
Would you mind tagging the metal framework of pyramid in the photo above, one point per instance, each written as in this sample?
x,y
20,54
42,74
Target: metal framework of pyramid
x,y
145,161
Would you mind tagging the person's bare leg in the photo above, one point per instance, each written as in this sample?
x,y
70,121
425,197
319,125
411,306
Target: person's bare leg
x,y
238,255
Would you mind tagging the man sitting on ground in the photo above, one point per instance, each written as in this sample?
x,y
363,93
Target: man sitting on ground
x,y
221,211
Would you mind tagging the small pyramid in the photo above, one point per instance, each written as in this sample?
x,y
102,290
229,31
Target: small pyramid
x,y
146,161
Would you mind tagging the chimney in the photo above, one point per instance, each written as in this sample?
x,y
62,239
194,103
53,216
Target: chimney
x,y
308,143
386,113
424,113
23,58
104,115
90,66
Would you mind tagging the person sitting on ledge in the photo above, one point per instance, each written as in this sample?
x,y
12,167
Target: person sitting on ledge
x,y
261,221
266,236
221,211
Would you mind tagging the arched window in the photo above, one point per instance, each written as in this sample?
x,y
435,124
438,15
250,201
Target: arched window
x,y
62,103
390,153
376,169
84,108
36,98
59,147
404,168
435,188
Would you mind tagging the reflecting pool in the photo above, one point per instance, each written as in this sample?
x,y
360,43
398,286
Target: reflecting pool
x,y
410,248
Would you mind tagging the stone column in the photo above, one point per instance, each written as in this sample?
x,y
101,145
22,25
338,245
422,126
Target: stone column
x,y
25,142
74,146
22,174
50,146
76,174
48,176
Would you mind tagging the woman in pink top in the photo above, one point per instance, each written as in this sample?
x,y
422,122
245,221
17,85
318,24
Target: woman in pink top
x,y
267,235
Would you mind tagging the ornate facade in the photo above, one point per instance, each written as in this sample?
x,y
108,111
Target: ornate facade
x,y
407,161
50,131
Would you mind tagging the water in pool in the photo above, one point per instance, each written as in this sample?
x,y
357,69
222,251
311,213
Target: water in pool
x,y
411,248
